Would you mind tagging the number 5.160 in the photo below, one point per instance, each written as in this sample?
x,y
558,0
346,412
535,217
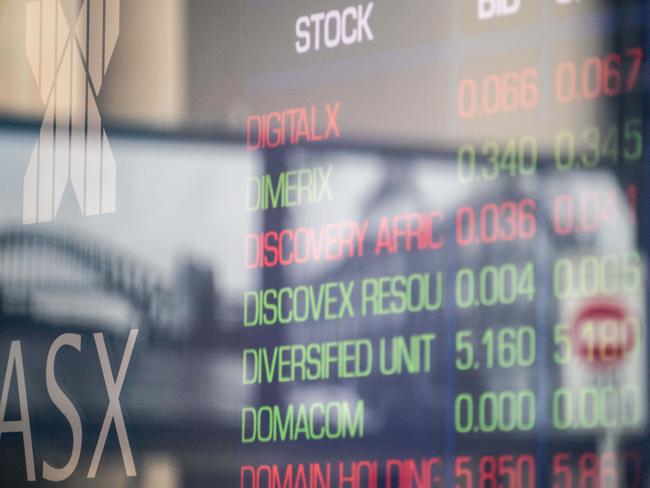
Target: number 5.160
x,y
505,348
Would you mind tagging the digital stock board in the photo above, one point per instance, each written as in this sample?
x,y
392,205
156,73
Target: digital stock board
x,y
324,244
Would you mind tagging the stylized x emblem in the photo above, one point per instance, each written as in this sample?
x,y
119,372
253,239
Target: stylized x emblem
x,y
69,64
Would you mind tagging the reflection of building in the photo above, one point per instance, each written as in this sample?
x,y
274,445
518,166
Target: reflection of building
x,y
57,283
406,184
196,302
93,283
44,273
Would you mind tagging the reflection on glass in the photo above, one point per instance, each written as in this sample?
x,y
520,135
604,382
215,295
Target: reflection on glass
x,y
271,244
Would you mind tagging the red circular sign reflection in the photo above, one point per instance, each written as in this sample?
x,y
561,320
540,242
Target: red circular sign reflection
x,y
603,333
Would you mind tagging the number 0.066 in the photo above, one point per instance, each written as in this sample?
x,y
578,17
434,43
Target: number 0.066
x,y
498,93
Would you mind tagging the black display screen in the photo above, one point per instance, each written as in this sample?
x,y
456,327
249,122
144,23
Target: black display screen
x,y
307,244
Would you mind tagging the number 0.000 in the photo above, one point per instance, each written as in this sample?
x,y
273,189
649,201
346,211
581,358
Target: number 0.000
x,y
596,408
504,411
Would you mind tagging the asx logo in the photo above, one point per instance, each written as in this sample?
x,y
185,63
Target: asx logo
x,y
114,416
69,63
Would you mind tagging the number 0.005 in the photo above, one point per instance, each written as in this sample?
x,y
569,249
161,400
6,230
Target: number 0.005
x,y
596,275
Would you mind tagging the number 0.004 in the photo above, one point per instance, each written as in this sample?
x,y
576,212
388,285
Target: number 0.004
x,y
495,285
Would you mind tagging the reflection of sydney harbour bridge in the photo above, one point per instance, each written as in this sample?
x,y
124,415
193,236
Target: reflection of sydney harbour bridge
x,y
54,282
37,261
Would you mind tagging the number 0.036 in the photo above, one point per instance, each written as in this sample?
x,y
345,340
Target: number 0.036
x,y
496,222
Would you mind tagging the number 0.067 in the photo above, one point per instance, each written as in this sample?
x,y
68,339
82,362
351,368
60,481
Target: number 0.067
x,y
595,77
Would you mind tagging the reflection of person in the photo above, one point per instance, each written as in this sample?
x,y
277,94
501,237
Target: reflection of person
x,y
397,188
